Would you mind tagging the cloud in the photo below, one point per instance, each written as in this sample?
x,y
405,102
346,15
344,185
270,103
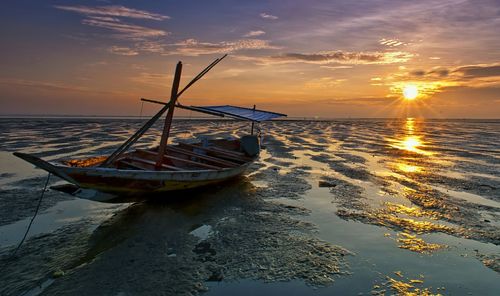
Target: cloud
x,y
357,101
42,85
151,47
477,71
418,73
125,51
107,17
340,57
323,83
391,42
52,86
113,10
193,47
125,30
437,72
336,67
153,79
467,72
104,18
268,16
254,33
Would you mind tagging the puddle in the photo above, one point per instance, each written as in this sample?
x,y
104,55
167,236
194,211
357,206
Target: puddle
x,y
202,232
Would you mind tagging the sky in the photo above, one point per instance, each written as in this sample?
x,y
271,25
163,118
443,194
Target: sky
x,y
314,58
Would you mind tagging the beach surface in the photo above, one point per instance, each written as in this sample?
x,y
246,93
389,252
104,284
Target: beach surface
x,y
339,207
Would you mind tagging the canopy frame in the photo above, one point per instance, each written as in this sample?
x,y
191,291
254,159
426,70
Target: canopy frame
x,y
210,111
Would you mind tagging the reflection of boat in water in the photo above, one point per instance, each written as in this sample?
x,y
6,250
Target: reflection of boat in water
x,y
166,167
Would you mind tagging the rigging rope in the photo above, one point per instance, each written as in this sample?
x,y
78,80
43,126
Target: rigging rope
x,y
34,216
142,105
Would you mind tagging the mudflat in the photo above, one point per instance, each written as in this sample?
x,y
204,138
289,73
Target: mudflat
x,y
389,206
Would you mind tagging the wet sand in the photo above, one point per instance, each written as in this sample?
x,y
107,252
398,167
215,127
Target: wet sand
x,y
350,207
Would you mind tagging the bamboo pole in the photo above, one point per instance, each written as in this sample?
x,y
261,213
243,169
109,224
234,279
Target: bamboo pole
x,y
170,114
191,108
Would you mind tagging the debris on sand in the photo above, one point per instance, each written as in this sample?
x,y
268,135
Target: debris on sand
x,y
383,218
403,287
323,183
290,185
346,195
340,166
491,261
264,249
415,244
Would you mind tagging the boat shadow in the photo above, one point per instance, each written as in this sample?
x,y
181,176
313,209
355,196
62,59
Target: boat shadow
x,y
168,216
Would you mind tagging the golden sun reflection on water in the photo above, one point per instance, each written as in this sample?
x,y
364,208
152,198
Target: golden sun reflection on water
x,y
408,168
411,144
410,125
411,141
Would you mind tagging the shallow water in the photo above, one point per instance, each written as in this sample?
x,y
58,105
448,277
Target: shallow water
x,y
344,206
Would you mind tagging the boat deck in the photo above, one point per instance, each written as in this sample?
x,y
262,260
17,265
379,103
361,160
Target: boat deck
x,y
218,155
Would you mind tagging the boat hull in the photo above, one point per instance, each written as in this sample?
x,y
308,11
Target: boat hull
x,y
129,181
137,181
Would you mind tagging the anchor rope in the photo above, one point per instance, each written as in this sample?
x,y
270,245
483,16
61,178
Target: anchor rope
x,y
34,216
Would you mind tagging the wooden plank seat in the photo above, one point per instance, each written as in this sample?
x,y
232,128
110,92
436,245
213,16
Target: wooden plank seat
x,y
237,153
196,163
215,160
183,160
223,153
146,164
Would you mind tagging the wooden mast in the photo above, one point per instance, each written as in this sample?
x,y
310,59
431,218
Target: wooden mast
x,y
170,114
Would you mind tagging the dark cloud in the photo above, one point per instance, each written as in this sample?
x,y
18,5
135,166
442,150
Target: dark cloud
x,y
478,71
418,73
439,72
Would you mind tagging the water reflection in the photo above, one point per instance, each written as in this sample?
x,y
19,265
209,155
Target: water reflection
x,y
410,125
411,140
407,168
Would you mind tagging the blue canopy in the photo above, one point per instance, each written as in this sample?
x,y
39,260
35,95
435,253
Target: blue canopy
x,y
240,112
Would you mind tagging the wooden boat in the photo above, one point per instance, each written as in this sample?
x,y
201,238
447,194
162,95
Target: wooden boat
x,y
165,167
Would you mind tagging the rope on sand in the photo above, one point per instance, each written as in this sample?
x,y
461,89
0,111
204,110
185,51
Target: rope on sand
x,y
34,216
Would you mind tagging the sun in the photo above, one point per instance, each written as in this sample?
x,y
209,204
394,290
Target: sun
x,y
410,92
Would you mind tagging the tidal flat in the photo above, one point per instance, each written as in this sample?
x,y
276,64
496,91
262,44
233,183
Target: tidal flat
x,y
339,207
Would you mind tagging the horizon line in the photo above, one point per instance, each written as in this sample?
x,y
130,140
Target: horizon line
x,y
82,116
